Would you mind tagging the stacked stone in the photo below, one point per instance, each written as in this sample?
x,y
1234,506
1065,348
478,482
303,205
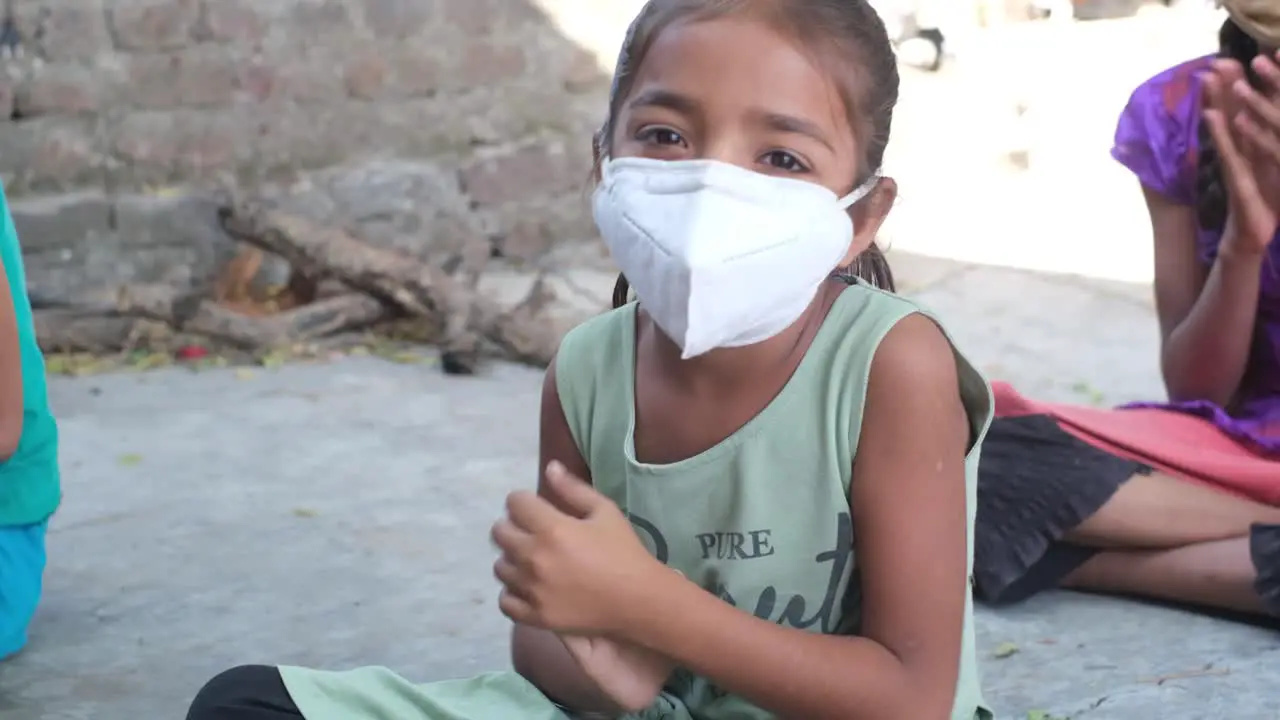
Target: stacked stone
x,y
477,112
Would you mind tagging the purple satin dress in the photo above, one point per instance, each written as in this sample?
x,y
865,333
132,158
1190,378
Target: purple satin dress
x,y
1157,138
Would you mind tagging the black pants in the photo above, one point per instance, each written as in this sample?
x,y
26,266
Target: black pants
x,y
248,692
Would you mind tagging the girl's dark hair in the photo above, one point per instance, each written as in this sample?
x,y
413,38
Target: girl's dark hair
x,y
1211,192
847,35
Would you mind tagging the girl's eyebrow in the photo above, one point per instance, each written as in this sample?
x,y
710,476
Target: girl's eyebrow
x,y
778,122
664,99
790,124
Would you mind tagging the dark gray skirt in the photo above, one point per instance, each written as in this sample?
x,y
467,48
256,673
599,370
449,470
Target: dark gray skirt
x,y
1036,483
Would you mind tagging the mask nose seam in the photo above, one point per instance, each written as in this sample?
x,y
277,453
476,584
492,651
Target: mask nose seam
x,y
625,216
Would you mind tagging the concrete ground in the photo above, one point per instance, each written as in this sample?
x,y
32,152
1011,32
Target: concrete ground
x,y
336,514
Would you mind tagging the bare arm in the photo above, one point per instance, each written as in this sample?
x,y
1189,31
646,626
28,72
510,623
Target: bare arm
x,y
908,497
1206,315
11,400
539,655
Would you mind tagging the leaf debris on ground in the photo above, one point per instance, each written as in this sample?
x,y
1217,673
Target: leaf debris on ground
x,y
1005,650
129,460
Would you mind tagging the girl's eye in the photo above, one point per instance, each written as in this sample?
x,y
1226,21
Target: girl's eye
x,y
785,161
660,136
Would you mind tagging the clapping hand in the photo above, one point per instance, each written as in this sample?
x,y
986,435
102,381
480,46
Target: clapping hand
x,y
1245,125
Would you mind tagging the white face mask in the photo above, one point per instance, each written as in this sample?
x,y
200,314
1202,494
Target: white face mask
x,y
721,256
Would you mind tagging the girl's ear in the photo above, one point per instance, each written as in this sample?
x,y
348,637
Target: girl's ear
x,y
869,215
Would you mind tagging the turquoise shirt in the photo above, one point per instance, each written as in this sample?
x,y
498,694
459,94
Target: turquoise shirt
x,y
30,487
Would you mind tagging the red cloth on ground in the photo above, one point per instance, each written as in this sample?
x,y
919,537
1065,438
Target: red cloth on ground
x,y
1175,443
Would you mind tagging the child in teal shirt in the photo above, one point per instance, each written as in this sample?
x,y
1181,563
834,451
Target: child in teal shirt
x,y
29,482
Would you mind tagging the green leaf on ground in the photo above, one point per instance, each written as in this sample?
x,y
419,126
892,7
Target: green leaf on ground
x,y
143,360
1005,650
74,364
407,357
129,460
274,359
1093,394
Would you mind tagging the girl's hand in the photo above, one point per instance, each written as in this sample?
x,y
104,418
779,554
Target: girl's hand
x,y
1245,126
630,675
581,573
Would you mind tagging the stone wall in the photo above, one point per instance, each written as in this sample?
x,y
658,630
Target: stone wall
x,y
420,122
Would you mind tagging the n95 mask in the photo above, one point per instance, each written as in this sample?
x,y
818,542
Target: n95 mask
x,y
720,256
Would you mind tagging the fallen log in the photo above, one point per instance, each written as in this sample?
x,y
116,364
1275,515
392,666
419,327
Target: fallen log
x,y
94,320
64,331
469,320
340,313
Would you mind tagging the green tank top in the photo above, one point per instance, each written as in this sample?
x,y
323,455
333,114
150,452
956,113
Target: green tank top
x,y
781,550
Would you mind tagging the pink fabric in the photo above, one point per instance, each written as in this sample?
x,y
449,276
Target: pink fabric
x,y
1173,442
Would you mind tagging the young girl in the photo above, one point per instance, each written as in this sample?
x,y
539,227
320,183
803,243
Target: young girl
x,y
29,487
1174,501
756,483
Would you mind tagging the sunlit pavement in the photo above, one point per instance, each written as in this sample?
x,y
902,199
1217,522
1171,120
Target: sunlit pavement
x,y
958,138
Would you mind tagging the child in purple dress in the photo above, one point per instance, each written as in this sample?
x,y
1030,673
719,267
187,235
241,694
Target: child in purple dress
x,y
1058,504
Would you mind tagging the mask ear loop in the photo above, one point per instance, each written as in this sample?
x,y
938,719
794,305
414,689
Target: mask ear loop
x,y
860,192
849,273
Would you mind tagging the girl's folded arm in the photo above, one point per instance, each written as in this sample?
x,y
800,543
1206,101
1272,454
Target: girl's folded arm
x,y
542,659
908,500
539,655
